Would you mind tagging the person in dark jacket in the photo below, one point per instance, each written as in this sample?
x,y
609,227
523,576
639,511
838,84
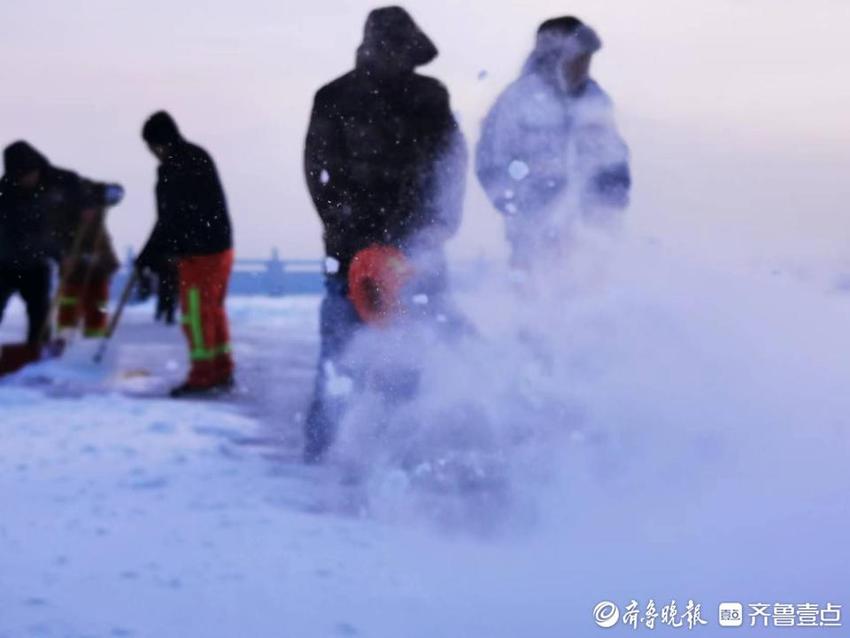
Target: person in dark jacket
x,y
40,211
193,226
550,155
385,164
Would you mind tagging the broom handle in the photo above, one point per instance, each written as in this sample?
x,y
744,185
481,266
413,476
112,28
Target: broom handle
x,y
116,317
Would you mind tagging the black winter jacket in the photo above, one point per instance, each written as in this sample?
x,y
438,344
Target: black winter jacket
x,y
192,217
384,159
39,223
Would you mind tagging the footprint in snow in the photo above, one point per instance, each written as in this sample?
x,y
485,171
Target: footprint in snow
x,y
161,427
346,629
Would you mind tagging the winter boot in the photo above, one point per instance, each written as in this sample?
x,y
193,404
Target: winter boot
x,y
205,379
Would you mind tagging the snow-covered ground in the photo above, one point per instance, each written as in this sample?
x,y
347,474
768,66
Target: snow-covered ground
x,y
707,460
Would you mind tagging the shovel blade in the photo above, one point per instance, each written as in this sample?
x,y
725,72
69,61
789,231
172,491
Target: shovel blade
x,y
14,356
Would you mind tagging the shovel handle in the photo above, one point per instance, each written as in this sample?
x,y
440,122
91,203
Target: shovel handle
x,y
116,317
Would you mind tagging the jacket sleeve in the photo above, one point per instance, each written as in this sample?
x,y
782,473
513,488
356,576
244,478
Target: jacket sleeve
x,y
608,177
100,194
602,155
611,185
155,247
5,241
441,171
200,189
157,244
324,167
66,196
517,156
493,155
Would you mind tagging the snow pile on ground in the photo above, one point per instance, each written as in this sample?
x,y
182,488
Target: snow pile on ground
x,y
637,367
649,427
647,413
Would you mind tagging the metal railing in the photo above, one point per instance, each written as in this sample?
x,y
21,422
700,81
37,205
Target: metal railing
x,y
272,277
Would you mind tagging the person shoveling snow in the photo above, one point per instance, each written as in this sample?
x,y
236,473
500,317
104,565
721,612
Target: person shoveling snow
x,y
43,213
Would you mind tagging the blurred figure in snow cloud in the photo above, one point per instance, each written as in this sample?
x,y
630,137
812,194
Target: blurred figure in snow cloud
x,y
550,155
385,163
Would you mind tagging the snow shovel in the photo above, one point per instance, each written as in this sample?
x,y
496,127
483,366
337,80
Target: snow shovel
x,y
14,356
116,317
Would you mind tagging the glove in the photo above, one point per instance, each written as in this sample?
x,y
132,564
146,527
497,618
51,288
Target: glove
x,y
113,194
144,287
143,261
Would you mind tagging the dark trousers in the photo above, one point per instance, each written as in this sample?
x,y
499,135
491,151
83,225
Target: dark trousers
x,y
338,323
167,292
33,284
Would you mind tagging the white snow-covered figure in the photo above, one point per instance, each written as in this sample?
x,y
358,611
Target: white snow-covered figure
x,y
550,155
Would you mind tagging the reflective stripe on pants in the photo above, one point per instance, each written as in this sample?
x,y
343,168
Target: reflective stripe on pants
x,y
203,289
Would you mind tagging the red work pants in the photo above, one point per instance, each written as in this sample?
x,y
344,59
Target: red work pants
x,y
88,302
203,288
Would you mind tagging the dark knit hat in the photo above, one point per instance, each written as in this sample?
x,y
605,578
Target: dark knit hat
x,y
568,31
20,158
160,128
565,25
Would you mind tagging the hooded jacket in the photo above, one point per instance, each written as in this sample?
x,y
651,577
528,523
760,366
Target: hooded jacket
x,y
545,145
37,224
192,216
384,158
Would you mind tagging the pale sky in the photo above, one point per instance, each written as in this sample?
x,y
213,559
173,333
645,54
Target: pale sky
x,y
736,111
